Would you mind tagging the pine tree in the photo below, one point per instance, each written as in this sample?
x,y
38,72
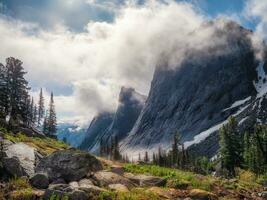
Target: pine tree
x,y
231,146
45,124
146,158
14,89
175,150
117,155
41,109
52,119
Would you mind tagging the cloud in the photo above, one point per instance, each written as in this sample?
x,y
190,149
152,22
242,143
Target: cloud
x,y
255,11
95,63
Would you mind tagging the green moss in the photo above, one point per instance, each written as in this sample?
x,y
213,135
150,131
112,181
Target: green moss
x,y
134,194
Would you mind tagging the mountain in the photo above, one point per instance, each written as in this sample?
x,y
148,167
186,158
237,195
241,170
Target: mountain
x,y
108,125
70,133
198,95
97,127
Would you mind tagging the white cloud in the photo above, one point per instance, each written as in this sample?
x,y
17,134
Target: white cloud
x,y
106,56
256,11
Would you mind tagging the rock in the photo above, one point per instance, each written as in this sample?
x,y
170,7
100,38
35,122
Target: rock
x,y
105,178
92,190
85,183
59,181
118,187
199,194
70,165
117,169
145,180
74,184
60,191
39,180
19,160
263,194
162,193
177,184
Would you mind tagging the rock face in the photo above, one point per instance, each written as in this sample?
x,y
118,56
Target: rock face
x,y
19,159
194,96
97,127
69,165
118,125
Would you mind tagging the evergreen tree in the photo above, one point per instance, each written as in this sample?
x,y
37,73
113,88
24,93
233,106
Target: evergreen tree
x,y
45,124
52,118
117,155
41,109
230,146
146,158
175,150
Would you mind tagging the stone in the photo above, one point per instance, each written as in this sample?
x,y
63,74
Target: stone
x,y
85,183
74,184
118,187
145,180
39,180
198,194
162,193
70,165
19,159
105,178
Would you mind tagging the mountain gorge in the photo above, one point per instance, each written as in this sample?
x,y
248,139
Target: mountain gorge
x,y
110,125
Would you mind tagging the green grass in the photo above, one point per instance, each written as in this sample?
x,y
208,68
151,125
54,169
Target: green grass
x,y
177,176
134,194
44,145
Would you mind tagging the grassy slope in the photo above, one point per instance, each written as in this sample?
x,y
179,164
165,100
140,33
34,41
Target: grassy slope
x,y
176,178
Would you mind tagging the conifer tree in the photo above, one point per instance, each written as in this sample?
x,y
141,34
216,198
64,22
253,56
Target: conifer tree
x,y
52,118
146,158
230,146
41,108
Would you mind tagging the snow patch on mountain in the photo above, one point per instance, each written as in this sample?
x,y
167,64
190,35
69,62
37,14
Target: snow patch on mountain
x,y
261,84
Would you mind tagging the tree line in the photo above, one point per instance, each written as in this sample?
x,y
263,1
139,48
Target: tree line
x,y
245,150
17,106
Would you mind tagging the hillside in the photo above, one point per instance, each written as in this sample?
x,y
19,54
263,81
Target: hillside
x,y
54,171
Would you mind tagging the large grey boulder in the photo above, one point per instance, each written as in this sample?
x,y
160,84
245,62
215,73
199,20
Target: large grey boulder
x,y
19,159
70,165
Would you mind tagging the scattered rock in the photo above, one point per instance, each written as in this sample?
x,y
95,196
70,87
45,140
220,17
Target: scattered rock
x,y
69,165
19,160
59,181
74,184
60,191
145,180
162,193
199,194
118,187
105,178
39,180
85,183
178,184
117,169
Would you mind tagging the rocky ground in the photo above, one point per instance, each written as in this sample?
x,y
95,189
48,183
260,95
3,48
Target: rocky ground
x,y
47,169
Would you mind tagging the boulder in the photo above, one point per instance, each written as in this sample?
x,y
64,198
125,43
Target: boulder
x,y
70,165
19,159
39,180
85,183
199,194
105,178
145,180
161,192
74,184
60,191
118,187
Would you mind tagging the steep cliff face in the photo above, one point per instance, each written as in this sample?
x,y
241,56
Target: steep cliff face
x,y
98,126
118,124
194,96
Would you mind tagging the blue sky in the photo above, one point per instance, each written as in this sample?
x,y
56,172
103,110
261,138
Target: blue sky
x,y
77,13
85,50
